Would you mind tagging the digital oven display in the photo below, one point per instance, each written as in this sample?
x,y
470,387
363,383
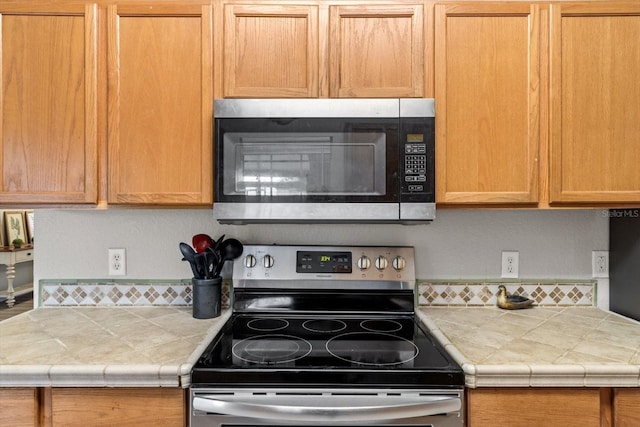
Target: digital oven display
x,y
323,262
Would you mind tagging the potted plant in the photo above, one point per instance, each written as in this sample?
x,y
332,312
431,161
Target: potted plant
x,y
17,243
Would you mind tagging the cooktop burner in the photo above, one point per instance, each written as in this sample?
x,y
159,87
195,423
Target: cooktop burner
x,y
270,349
360,348
324,325
384,325
267,324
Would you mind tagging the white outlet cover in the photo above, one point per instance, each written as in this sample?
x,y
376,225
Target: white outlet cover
x,y
600,264
117,262
510,264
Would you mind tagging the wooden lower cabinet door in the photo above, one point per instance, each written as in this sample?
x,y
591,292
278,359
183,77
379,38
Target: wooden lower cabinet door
x,y
157,407
626,407
533,407
18,407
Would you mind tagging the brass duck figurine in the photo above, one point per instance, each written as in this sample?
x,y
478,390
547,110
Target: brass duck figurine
x,y
512,302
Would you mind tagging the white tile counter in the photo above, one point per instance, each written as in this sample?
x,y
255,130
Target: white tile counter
x,y
101,346
157,346
539,347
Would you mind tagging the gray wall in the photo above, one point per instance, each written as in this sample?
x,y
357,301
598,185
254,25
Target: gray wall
x,y
460,244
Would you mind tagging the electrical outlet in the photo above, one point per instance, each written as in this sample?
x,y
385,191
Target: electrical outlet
x,y
600,264
510,261
117,262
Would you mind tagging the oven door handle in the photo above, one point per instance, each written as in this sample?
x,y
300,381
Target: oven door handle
x,y
333,408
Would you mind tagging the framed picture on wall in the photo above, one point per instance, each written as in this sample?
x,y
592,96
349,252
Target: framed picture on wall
x,y
2,240
29,217
14,226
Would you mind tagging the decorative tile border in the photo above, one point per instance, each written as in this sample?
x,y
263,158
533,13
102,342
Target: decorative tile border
x,y
484,293
56,293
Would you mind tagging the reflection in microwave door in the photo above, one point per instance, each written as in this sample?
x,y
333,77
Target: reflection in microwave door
x,y
272,186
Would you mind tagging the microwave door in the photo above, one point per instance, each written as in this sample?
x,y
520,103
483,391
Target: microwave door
x,y
304,166
306,169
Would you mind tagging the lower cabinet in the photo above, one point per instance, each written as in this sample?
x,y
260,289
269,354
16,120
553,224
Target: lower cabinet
x,y
626,407
19,407
121,407
95,407
535,407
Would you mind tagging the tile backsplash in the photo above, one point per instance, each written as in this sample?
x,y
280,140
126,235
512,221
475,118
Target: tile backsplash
x,y
56,293
73,293
485,293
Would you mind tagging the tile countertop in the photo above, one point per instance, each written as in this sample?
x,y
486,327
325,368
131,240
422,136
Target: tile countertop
x,y
103,346
540,346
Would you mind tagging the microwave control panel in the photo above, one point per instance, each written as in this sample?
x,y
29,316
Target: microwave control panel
x,y
416,160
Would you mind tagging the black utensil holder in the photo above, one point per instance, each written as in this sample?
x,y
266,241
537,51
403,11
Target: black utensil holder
x,y
206,297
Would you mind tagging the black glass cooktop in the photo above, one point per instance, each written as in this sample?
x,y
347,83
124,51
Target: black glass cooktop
x,y
324,351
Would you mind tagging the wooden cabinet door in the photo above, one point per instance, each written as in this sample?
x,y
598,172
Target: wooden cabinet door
x,y
96,407
528,407
160,94
48,117
18,407
270,51
487,103
595,112
626,407
376,51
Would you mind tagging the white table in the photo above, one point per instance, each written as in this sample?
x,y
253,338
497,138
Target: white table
x,y
11,257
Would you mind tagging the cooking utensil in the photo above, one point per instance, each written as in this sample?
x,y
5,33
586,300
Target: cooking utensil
x,y
216,245
189,255
215,253
201,242
230,249
213,259
201,263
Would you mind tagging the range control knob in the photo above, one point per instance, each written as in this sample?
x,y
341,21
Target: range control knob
x,y
267,261
399,263
364,263
381,263
250,261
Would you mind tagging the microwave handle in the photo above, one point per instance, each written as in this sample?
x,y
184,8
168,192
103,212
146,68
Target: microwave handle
x,y
305,411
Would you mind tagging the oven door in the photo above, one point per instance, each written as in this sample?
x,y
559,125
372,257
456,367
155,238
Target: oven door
x,y
279,168
326,408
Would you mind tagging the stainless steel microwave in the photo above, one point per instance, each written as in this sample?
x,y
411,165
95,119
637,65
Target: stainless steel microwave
x,y
324,160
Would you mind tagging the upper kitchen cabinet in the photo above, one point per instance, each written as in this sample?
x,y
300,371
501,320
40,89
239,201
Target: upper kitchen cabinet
x,y
320,49
270,51
595,108
376,51
160,103
487,89
48,118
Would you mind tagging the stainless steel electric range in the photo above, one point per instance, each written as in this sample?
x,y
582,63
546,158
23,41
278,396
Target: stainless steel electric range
x,y
324,336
